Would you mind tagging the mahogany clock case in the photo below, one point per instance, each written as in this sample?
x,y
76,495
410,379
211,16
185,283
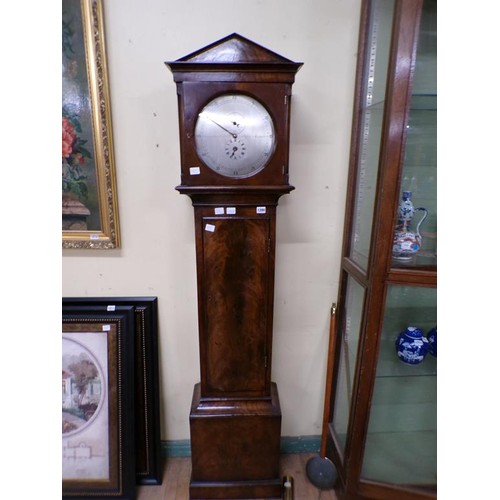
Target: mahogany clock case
x,y
235,418
197,95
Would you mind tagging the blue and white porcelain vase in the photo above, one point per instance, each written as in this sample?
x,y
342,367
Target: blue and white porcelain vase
x,y
406,243
411,346
406,210
432,338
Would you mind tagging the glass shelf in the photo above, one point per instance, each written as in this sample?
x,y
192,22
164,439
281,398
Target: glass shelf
x,y
425,258
421,102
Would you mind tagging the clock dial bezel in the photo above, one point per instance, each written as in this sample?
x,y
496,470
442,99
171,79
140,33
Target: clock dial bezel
x,y
235,135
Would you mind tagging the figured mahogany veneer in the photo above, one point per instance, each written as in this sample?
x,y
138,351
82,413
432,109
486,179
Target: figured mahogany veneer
x,y
235,447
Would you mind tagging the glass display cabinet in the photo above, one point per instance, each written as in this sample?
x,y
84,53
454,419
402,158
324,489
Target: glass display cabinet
x,y
381,404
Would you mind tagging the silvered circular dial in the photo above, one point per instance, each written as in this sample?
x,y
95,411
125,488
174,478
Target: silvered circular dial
x,y
234,135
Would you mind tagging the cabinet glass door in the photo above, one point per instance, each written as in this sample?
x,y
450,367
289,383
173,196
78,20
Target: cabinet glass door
x,y
371,119
352,314
401,440
416,219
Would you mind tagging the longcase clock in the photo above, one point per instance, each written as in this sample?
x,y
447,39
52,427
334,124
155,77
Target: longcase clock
x,y
234,123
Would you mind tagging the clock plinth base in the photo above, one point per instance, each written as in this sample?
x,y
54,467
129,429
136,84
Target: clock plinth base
x,y
235,447
271,489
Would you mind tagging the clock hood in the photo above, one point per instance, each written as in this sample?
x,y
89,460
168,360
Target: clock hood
x,y
232,50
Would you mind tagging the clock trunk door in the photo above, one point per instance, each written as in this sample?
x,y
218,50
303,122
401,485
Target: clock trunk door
x,y
236,282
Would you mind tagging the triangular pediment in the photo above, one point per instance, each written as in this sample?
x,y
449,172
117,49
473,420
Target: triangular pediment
x,y
234,49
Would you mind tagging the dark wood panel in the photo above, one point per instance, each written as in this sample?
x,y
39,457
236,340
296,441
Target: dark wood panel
x,y
235,446
235,282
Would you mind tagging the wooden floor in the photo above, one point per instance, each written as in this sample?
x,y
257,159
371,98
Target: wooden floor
x,y
178,471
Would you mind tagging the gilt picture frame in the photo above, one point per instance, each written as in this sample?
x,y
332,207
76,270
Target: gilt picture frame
x,y
89,197
98,459
149,467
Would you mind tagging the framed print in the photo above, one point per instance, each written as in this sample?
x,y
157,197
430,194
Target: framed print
x,y
89,199
149,468
98,459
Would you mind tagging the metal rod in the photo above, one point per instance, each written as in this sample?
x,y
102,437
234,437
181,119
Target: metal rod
x,y
288,488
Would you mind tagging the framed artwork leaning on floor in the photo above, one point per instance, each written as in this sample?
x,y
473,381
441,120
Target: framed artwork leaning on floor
x,y
147,407
98,458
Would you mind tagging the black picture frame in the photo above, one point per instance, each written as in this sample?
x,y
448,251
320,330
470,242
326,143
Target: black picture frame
x,y
98,417
149,467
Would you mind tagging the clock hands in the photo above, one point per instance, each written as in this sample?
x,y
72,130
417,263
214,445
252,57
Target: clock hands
x,y
235,149
233,135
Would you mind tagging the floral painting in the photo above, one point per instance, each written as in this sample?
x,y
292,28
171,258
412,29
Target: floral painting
x,y
89,202
79,186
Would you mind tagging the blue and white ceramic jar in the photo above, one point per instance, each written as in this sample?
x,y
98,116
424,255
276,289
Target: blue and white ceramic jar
x,y
432,338
411,346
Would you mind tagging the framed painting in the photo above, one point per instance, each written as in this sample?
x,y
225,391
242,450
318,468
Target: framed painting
x,y
89,199
149,468
98,457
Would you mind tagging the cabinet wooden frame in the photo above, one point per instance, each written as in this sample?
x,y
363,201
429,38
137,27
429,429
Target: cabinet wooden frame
x,y
380,273
149,466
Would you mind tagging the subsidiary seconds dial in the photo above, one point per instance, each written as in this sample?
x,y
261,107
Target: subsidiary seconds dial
x,y
234,135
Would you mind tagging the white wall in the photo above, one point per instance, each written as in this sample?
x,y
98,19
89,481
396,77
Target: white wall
x,y
157,256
